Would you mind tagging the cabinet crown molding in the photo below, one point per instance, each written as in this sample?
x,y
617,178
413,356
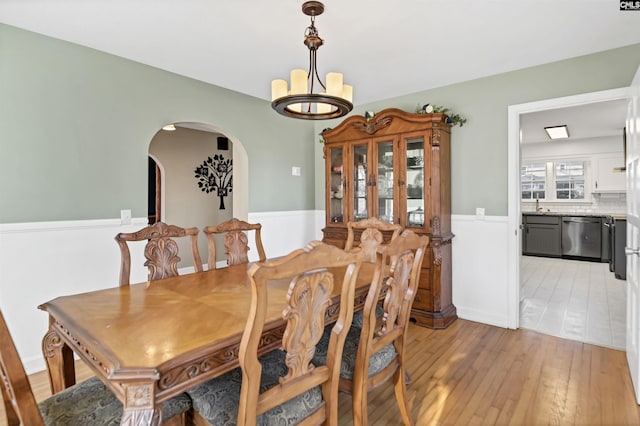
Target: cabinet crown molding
x,y
387,122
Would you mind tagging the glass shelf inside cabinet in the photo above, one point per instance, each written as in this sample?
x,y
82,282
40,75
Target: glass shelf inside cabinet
x,y
384,182
336,185
415,182
416,217
360,181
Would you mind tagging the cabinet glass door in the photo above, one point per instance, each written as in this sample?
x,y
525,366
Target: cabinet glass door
x,y
336,185
415,183
384,184
360,182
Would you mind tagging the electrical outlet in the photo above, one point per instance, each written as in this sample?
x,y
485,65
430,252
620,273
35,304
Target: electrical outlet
x,y
125,217
296,171
480,213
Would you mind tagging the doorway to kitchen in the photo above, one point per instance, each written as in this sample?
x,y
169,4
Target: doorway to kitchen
x,y
557,294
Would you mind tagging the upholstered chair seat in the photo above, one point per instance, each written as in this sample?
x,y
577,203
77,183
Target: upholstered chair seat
x,y
88,402
358,316
217,400
378,361
91,403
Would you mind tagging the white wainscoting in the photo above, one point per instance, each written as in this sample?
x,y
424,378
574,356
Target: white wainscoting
x,y
43,260
480,268
283,232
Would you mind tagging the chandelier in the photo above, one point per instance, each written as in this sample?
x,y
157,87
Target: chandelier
x,y
301,101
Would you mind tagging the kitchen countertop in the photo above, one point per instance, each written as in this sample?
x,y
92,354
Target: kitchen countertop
x,y
574,214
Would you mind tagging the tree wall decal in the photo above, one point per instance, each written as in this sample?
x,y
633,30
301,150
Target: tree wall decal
x,y
216,174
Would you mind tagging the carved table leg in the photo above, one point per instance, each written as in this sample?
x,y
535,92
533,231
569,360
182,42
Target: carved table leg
x,y
131,417
59,359
139,407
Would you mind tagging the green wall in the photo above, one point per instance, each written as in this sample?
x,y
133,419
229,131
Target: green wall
x,y
479,149
76,123
75,126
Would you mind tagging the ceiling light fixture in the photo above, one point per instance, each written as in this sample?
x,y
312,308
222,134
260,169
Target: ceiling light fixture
x,y
557,132
301,101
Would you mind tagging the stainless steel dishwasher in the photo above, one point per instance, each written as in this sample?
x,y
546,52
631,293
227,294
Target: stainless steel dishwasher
x,y
582,236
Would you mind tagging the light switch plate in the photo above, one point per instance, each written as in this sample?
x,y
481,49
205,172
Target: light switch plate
x,y
480,212
296,171
125,217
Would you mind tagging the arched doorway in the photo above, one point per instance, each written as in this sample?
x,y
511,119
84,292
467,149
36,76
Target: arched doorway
x,y
175,157
154,191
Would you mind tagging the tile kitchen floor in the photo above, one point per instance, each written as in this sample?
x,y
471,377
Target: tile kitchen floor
x,y
574,300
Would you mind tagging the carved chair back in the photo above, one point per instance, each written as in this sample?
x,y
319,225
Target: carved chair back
x,y
371,237
396,276
20,404
161,251
312,272
236,241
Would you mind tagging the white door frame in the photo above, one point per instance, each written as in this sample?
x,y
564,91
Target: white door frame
x,y
514,244
633,237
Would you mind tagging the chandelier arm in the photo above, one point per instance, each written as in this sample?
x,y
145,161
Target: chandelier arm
x,y
312,67
315,69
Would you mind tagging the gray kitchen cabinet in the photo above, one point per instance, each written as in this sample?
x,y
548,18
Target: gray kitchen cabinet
x,y
542,235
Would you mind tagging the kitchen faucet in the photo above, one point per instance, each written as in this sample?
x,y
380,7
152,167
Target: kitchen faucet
x,y
538,208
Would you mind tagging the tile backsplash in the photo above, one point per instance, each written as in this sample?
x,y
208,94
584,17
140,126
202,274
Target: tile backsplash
x,y
606,204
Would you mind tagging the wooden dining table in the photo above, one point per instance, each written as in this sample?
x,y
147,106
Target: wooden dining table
x,y
154,340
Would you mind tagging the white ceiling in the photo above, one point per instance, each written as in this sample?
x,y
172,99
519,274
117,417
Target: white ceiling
x,y
384,48
594,120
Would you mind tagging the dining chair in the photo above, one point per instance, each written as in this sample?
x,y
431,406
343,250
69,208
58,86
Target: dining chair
x,y
371,235
86,403
236,241
283,387
161,250
374,352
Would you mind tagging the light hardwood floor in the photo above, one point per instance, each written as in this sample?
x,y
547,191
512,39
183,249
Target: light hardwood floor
x,y
573,299
473,373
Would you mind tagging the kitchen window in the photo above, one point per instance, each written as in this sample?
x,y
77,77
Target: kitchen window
x,y
558,180
570,179
533,179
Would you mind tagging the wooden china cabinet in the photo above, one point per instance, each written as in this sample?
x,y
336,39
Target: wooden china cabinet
x,y
396,166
